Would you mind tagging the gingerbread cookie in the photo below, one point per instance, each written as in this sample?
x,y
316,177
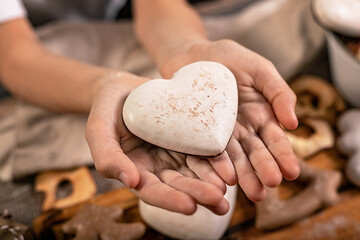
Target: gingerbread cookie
x,y
316,98
97,222
321,191
322,137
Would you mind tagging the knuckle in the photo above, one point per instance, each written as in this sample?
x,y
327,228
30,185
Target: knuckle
x,y
269,65
293,96
88,132
92,128
225,41
224,44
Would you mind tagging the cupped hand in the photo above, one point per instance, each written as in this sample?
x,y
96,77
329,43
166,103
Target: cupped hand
x,y
258,148
162,178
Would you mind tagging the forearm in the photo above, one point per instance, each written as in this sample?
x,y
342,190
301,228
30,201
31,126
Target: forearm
x,y
35,75
50,81
166,27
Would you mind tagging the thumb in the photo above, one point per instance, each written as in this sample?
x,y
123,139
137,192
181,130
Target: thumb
x,y
278,93
109,159
116,165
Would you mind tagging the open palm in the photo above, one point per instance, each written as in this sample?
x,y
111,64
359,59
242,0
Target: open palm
x,y
258,148
159,177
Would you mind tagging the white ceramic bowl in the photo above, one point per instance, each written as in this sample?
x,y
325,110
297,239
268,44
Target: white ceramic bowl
x,y
202,225
345,69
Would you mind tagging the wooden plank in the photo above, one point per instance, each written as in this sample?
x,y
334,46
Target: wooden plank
x,y
244,209
327,159
121,197
334,220
341,221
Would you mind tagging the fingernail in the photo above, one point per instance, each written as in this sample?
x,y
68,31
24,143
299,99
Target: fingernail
x,y
124,178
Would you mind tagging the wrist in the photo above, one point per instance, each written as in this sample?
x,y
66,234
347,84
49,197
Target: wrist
x,y
121,82
189,52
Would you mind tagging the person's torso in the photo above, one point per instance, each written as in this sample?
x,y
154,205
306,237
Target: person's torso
x,y
44,11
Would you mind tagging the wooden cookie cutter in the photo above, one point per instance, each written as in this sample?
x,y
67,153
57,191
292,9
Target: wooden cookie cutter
x,y
83,187
97,222
321,191
321,138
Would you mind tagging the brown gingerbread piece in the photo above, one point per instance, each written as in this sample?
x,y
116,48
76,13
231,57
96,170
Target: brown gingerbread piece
x,y
97,222
320,192
317,98
322,137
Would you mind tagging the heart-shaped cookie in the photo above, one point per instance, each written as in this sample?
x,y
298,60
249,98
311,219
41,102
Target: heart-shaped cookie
x,y
194,112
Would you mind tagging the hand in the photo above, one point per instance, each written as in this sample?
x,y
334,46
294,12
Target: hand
x,y
161,178
258,148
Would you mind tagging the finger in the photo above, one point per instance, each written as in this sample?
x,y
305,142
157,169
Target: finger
x,y
109,159
261,160
156,193
224,167
186,171
221,208
279,146
278,93
204,193
247,178
205,172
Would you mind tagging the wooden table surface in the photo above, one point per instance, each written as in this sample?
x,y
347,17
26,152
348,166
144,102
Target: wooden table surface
x,y
341,221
